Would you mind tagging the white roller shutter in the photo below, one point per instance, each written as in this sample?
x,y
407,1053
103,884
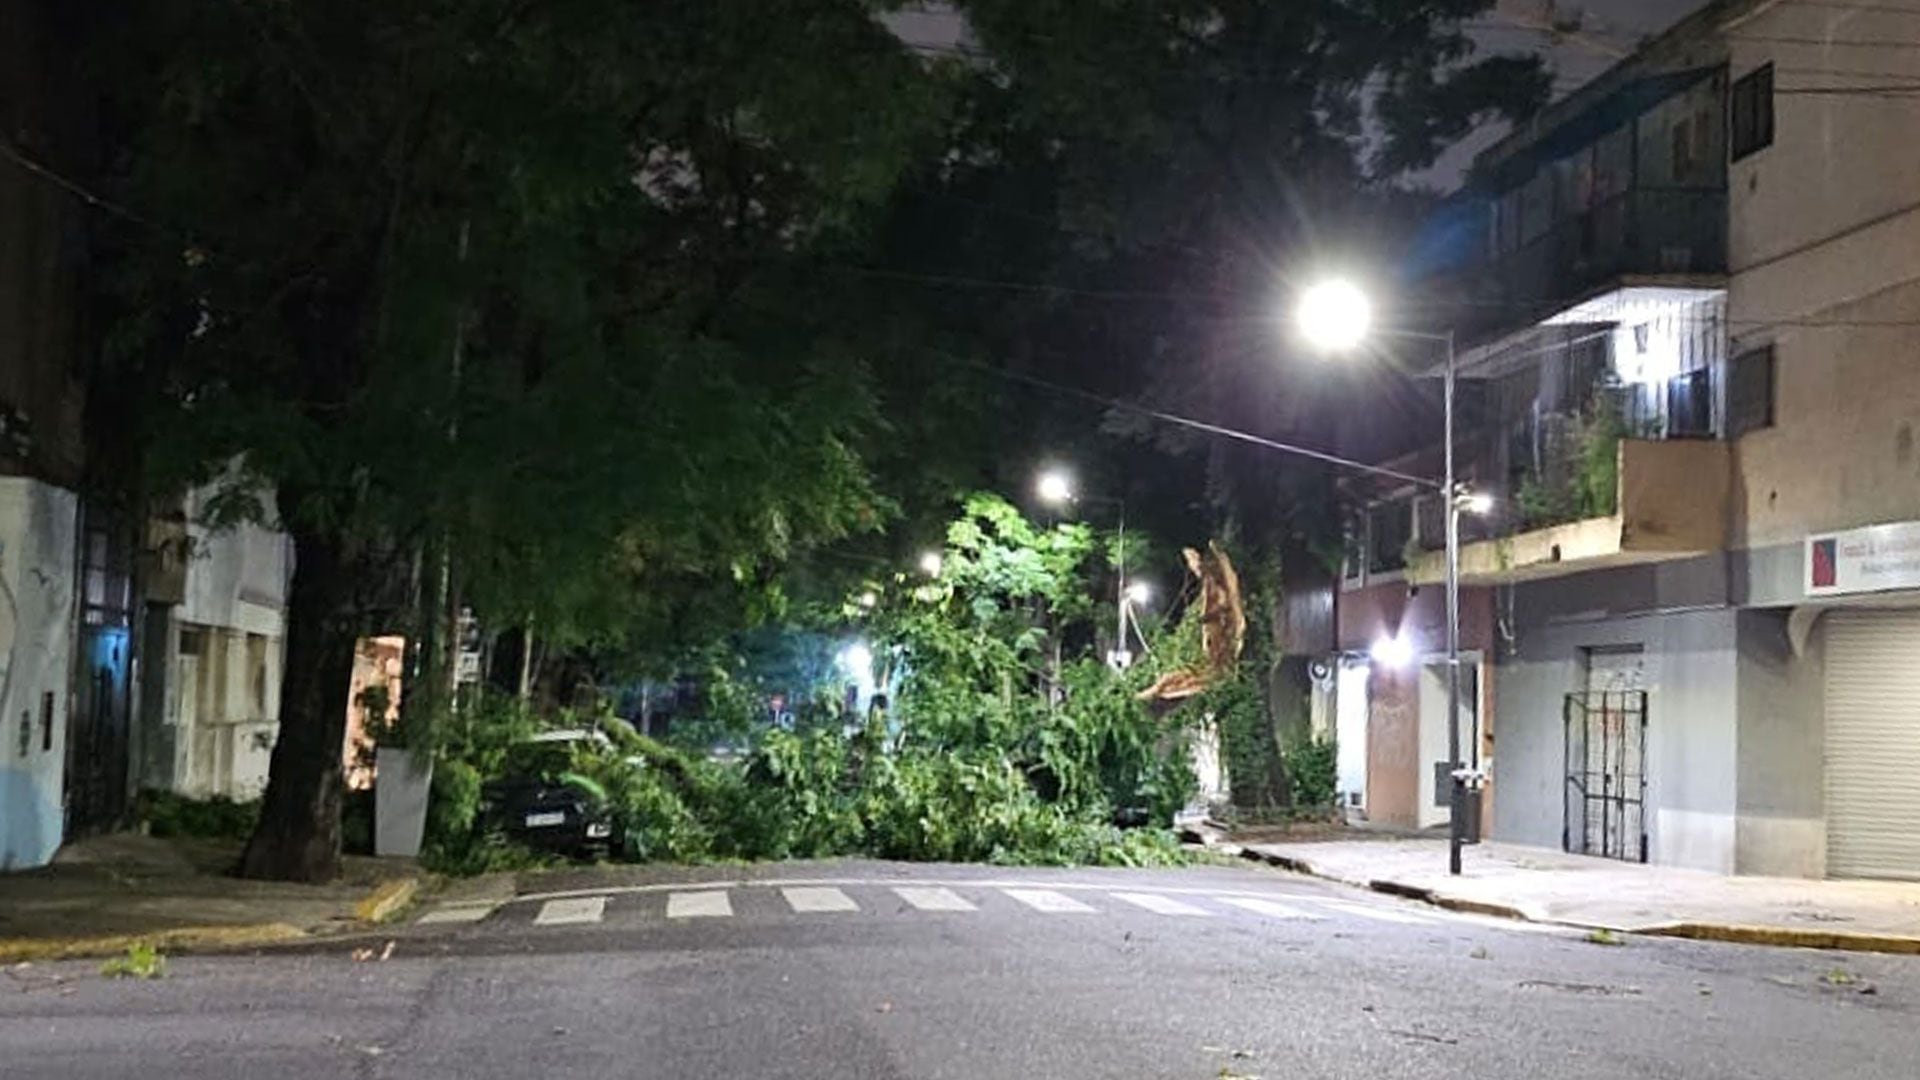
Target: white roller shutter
x,y
1873,744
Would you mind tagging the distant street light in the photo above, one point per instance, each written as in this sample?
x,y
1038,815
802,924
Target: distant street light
x,y
1054,488
1139,592
931,564
869,598
1337,316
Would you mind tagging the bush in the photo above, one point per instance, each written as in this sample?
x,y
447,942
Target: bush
x,y
1312,772
217,818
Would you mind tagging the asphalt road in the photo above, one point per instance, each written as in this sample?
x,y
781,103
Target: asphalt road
x,y
862,970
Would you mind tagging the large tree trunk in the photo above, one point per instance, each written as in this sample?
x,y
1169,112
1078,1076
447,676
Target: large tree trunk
x,y
298,838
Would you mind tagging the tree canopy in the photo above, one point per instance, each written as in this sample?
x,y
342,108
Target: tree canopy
x,y
613,312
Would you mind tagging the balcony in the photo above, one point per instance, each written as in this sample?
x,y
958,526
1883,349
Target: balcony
x,y
1669,502
1675,235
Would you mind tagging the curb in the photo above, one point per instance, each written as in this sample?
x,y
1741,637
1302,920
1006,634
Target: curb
x,y
386,899
1785,937
184,938
1731,933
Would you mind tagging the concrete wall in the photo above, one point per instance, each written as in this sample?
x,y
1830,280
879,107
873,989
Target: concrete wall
x,y
1691,734
1782,809
38,523
1825,254
1394,757
221,714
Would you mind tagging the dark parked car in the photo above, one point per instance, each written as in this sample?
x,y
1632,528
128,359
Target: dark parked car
x,y
542,802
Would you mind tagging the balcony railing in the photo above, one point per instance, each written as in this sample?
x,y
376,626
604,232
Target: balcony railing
x,y
1641,232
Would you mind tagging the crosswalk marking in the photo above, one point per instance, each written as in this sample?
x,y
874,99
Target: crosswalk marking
x,y
932,898
818,899
1159,905
1269,908
1048,901
468,913
1379,914
707,903
587,909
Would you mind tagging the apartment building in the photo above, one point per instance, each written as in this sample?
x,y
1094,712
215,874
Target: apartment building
x,y
1688,297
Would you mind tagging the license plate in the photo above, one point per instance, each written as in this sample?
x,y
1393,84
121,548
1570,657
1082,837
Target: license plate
x,y
538,821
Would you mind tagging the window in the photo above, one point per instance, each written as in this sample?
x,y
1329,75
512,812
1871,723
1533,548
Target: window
x,y
1389,527
1753,112
1750,392
1690,405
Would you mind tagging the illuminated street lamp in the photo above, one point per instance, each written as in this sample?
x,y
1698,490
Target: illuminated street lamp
x,y
930,564
1054,488
1337,316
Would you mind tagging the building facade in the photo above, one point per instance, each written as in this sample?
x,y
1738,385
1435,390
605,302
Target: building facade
x,y
215,642
1690,299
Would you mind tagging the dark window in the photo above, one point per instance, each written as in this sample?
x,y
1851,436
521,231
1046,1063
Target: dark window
x,y
1389,527
1690,405
1752,112
1750,392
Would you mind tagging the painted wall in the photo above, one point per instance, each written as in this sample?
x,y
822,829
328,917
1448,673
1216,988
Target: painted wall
x,y
1782,809
1690,670
1394,756
1825,253
224,651
37,629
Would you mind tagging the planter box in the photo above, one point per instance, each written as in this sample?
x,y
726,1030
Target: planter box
x,y
401,781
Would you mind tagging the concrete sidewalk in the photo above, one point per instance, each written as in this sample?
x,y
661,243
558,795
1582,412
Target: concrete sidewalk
x,y
103,894
1547,886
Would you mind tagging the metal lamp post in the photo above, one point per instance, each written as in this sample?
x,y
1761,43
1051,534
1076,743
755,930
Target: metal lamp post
x,y
1337,315
1054,487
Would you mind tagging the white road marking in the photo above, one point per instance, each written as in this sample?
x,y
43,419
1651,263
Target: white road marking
x,y
818,898
588,909
1048,901
1159,905
705,904
1207,891
466,913
1268,908
1378,914
932,898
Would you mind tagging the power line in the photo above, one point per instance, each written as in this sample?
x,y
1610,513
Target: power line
x,y
1188,422
71,187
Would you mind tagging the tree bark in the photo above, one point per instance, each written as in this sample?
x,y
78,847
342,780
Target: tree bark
x,y
298,837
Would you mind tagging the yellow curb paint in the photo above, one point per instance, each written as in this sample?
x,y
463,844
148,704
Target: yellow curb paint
x,y
1789,937
386,899
17,950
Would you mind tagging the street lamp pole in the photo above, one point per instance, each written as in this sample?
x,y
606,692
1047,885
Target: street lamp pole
x,y
1120,584
1338,315
1457,803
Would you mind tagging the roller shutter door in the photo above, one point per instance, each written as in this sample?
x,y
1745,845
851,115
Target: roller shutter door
x,y
1873,744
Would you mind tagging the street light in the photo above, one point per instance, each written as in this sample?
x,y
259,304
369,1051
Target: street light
x,y
1139,592
931,564
1055,488
1336,315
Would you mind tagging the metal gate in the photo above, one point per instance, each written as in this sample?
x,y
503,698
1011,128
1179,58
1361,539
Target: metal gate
x,y
98,727
1606,790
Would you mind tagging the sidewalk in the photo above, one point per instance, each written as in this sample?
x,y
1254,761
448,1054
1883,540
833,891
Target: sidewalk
x,y
1542,885
105,893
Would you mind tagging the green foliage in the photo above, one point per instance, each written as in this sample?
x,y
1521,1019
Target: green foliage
x,y
218,818
1312,772
1583,479
142,961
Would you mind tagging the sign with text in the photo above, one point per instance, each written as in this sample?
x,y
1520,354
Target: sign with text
x,y
1872,559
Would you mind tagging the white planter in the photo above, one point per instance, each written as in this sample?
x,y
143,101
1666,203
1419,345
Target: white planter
x,y
401,781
